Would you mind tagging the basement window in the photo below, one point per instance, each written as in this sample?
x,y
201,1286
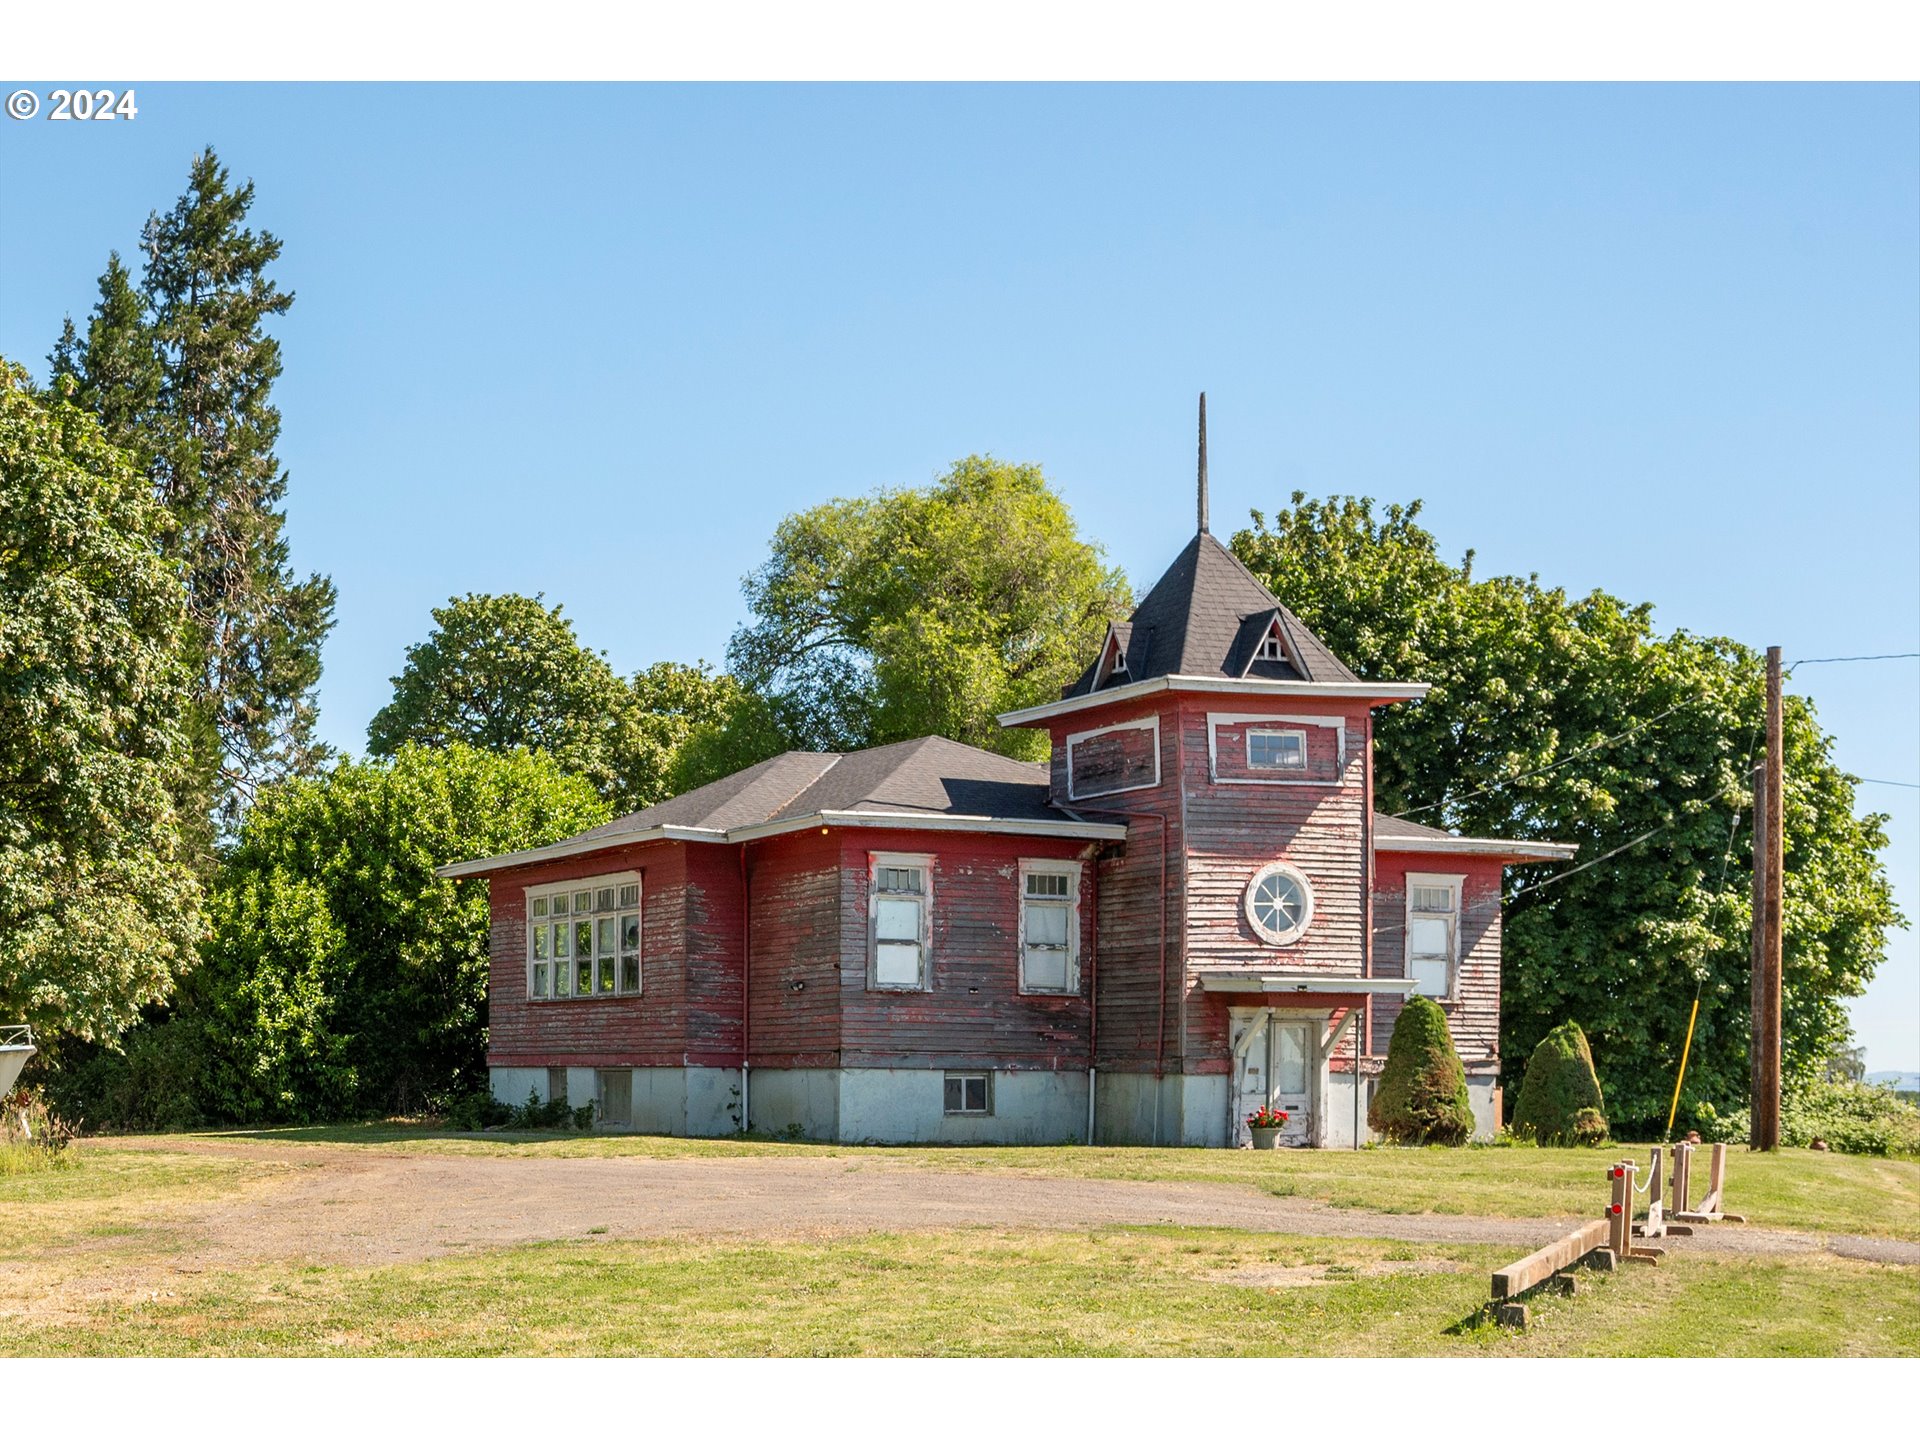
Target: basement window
x,y
583,938
969,1092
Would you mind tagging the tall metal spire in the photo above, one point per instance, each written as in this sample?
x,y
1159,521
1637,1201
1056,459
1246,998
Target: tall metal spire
x,y
1203,462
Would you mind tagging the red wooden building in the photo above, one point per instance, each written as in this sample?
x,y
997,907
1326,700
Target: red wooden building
x,y
1191,912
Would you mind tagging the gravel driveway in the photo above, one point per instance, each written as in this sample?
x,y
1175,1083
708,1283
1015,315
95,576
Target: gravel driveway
x,y
368,1206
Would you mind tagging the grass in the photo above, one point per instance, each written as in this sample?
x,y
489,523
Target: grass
x,y
1159,1291
1794,1189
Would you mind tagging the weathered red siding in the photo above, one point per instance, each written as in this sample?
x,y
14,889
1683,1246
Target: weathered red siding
x,y
1474,1018
645,1029
973,1012
1217,834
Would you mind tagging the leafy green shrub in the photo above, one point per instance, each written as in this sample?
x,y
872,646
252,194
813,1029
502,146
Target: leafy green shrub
x,y
1422,1095
538,1114
583,1116
1852,1117
477,1111
152,1082
1560,1101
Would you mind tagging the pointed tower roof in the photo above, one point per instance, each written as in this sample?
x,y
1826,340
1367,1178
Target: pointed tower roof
x,y
1208,617
1208,623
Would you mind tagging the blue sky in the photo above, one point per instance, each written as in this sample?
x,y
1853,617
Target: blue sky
x,y
596,341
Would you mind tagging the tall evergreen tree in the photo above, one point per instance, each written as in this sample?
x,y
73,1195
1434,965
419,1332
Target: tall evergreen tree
x,y
180,373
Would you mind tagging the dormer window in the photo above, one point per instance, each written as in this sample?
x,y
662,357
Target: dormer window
x,y
1113,664
1272,647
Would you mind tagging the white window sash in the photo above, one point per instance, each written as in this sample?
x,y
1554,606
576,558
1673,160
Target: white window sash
x,y
603,954
1047,966
899,957
1436,969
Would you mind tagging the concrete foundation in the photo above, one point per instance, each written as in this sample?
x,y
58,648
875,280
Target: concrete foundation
x,y
1027,1107
664,1100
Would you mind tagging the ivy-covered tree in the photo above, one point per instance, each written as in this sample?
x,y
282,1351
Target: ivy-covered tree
x,y
98,907
923,611
342,977
181,373
1572,718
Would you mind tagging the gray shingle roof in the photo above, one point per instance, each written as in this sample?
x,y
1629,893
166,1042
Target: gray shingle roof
x,y
932,775
1392,827
1207,616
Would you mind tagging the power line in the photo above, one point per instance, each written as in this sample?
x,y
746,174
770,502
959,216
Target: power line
x,y
1588,865
1600,744
1851,659
1903,784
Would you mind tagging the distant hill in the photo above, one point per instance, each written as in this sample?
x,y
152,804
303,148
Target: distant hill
x,y
1899,1079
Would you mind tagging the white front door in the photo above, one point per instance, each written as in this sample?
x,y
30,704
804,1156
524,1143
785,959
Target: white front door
x,y
1290,1046
1275,1065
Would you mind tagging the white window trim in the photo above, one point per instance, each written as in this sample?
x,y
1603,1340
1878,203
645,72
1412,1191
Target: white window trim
x,y
1152,723
1071,869
1336,723
876,860
1457,884
1279,867
550,888
1273,645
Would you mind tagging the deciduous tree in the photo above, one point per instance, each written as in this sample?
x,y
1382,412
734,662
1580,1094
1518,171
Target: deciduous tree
x,y
98,905
342,977
1572,718
925,611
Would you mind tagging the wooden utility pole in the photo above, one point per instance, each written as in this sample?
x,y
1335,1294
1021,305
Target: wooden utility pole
x,y
1768,792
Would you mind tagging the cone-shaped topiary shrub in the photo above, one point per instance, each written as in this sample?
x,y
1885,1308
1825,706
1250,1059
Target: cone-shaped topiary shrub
x,y
1422,1095
1560,1100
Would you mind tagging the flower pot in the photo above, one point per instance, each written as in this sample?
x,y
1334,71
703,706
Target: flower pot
x,y
1265,1137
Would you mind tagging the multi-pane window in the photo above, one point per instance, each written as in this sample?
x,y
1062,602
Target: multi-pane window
x,y
583,938
1433,933
900,899
969,1092
1276,749
1048,933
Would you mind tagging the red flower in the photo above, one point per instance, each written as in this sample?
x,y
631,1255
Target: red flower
x,y
1267,1118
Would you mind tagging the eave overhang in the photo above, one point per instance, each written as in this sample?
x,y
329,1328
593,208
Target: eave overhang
x,y
1061,829
1297,982
1380,692
1520,852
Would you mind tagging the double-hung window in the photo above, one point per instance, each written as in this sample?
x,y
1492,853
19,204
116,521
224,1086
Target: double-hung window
x,y
1276,750
1049,927
1433,933
583,938
900,904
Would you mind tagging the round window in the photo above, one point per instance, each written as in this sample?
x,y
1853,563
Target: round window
x,y
1279,903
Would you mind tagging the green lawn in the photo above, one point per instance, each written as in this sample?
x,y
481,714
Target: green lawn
x,y
1793,1189
1108,1292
